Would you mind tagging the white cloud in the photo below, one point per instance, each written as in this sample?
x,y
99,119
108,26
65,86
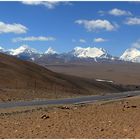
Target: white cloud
x,y
48,4
99,40
12,28
136,44
119,12
32,38
82,40
96,25
132,21
116,12
102,13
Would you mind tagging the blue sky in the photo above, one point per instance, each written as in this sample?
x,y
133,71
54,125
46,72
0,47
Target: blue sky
x,y
114,26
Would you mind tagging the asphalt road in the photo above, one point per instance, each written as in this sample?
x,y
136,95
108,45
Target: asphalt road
x,y
84,99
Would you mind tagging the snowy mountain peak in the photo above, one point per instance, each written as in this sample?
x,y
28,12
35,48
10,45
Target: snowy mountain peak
x,y
132,54
22,49
2,49
50,51
89,52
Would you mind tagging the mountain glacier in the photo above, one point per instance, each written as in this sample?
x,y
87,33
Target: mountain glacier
x,y
131,54
22,49
50,51
78,54
89,52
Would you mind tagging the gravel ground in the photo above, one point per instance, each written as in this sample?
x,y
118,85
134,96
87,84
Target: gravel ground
x,y
113,119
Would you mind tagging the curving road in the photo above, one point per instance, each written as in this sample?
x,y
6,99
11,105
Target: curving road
x,y
78,100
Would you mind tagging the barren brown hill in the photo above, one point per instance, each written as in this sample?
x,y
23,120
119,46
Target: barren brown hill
x,y
21,80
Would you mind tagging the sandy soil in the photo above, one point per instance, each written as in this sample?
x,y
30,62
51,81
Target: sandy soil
x,y
7,95
113,119
123,73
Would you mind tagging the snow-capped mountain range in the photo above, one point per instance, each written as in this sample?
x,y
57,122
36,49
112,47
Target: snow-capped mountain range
x,y
88,54
50,51
132,55
22,49
76,52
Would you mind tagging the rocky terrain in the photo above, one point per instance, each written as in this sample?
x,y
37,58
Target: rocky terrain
x,y
110,119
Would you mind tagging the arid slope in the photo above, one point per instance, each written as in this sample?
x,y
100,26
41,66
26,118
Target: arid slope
x,y
24,80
